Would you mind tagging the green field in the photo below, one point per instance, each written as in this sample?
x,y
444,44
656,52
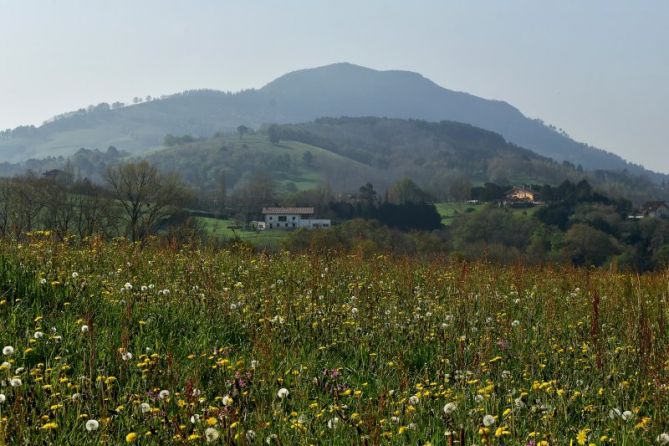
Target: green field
x,y
221,228
116,343
450,210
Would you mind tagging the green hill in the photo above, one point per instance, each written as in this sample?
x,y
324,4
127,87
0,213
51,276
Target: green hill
x,y
348,152
304,95
445,158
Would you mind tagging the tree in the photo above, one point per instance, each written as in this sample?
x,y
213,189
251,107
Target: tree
x,y
273,134
146,196
406,191
256,190
222,190
308,158
587,246
367,194
242,130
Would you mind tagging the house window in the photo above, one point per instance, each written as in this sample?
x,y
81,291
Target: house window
x,y
294,217
270,225
282,218
271,217
293,225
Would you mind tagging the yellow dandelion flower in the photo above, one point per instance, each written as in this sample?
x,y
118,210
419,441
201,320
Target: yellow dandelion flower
x,y
131,437
50,426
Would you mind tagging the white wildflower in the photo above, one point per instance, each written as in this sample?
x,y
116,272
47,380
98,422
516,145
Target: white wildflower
x,y
211,434
92,425
250,436
615,413
488,420
449,408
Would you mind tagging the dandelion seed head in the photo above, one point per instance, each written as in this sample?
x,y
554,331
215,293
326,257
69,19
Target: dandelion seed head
x,y
449,408
488,420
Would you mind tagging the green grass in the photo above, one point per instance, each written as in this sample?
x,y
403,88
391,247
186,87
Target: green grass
x,y
450,210
370,350
222,228
202,161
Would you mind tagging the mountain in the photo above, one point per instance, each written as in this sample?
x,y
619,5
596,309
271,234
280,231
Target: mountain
x,y
330,91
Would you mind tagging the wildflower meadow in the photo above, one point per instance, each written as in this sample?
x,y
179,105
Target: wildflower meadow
x,y
119,343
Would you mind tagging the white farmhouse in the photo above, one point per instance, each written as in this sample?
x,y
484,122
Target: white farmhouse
x,y
292,218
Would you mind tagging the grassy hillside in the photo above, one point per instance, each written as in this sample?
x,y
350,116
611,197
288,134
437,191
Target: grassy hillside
x,y
202,163
446,158
348,152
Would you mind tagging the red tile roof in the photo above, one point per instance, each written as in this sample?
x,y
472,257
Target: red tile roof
x,y
300,211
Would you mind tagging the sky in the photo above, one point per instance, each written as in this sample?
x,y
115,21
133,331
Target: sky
x,y
597,69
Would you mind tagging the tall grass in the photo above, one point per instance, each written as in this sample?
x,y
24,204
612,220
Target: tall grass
x,y
370,350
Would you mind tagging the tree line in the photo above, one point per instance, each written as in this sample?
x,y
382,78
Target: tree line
x,y
135,201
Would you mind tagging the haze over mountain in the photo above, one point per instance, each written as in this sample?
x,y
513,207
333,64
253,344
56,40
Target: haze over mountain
x,y
331,91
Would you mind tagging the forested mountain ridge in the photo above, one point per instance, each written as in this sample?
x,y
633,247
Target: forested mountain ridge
x,y
446,158
334,90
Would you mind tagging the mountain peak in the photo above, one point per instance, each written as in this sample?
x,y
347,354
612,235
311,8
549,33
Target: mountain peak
x,y
343,73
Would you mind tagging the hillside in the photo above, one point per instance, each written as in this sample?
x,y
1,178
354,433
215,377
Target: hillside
x,y
348,152
446,158
333,90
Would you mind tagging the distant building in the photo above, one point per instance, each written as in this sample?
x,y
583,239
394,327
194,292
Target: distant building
x,y
655,209
57,175
292,218
520,194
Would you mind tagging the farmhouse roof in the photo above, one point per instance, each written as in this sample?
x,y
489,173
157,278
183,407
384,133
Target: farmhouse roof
x,y
293,210
654,206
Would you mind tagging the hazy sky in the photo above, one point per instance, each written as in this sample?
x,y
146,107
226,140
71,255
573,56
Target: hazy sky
x,y
597,69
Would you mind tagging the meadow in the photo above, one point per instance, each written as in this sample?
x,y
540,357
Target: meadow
x,y
117,343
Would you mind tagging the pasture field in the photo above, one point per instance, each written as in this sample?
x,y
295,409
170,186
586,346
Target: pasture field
x,y
449,210
261,239
113,343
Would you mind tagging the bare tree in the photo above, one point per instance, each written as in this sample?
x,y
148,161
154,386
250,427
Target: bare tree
x,y
60,207
27,203
145,196
5,207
